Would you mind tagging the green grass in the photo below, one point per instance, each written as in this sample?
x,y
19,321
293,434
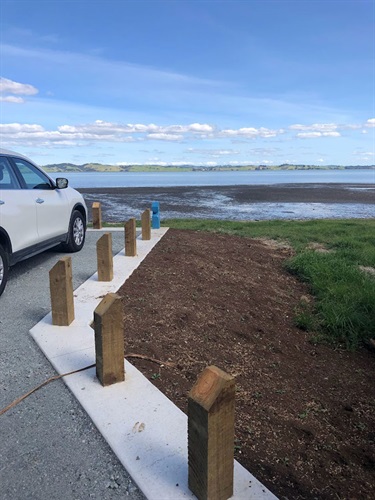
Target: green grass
x,y
345,296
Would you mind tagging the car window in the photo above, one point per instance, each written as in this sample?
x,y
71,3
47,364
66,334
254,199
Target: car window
x,y
7,177
34,178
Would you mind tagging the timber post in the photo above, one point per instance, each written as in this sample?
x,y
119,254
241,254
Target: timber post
x,y
211,435
104,257
109,340
96,215
146,225
130,238
61,291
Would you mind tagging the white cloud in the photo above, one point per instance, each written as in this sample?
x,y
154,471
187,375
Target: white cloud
x,y
173,163
33,134
351,126
10,91
309,135
16,128
331,134
319,130
12,98
364,155
314,135
213,152
315,127
251,132
165,132
103,131
369,153
100,131
199,127
10,87
165,137
224,152
328,129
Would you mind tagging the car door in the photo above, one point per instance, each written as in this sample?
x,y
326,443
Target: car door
x,y
18,216
52,206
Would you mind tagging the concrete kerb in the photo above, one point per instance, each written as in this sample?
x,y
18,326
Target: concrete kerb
x,y
146,431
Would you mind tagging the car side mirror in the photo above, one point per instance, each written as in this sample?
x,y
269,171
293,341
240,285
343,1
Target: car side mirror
x,y
61,183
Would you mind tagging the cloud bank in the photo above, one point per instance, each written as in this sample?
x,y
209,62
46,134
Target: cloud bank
x,y
104,131
11,91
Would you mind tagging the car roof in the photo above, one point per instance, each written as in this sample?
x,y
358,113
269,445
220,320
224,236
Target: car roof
x,y
8,152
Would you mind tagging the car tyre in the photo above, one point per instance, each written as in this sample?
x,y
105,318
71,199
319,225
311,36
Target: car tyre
x,y
77,233
4,269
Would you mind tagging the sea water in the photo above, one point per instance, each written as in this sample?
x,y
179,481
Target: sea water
x,y
233,178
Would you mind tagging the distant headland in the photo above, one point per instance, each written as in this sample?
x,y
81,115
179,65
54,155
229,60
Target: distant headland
x,y
99,167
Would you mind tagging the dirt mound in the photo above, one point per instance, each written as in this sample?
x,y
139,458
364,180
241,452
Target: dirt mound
x,y
304,413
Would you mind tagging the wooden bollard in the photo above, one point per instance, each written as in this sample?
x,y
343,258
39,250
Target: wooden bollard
x,y
211,435
104,257
96,215
130,238
109,340
146,224
61,290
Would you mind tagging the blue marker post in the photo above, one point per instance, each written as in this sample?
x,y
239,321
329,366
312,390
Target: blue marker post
x,y
155,223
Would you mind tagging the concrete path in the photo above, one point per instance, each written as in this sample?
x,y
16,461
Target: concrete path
x,y
49,447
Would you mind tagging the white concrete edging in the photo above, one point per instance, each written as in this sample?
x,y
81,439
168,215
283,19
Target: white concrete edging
x,y
146,431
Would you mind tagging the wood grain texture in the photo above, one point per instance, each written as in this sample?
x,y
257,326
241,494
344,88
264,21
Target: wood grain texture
x,y
211,435
109,340
146,224
105,257
61,291
96,215
130,238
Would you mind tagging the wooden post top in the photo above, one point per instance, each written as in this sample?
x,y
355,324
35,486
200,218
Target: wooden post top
x,y
106,303
96,204
64,259
209,385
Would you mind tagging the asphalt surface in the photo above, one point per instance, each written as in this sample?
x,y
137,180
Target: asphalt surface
x,y
49,448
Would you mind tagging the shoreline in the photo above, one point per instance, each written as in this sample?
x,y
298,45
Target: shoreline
x,y
287,193
241,202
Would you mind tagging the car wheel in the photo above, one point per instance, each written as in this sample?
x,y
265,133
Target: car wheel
x,y
4,268
77,233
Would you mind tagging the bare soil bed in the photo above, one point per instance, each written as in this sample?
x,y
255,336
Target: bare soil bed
x,y
305,423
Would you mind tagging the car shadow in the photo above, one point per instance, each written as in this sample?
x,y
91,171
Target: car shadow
x,y
41,260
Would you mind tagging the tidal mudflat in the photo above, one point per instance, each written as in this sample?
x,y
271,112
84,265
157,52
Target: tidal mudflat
x,y
250,202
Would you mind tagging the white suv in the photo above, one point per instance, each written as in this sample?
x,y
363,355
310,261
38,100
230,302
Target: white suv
x,y
36,213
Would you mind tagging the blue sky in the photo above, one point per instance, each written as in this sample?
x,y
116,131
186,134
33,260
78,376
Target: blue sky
x,y
189,81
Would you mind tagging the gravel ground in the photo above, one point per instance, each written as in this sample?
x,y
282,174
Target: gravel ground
x,y
49,447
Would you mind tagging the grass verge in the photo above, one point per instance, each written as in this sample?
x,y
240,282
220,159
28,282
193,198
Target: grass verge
x,y
328,257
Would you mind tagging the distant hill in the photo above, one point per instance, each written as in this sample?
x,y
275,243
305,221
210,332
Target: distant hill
x,y
99,167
